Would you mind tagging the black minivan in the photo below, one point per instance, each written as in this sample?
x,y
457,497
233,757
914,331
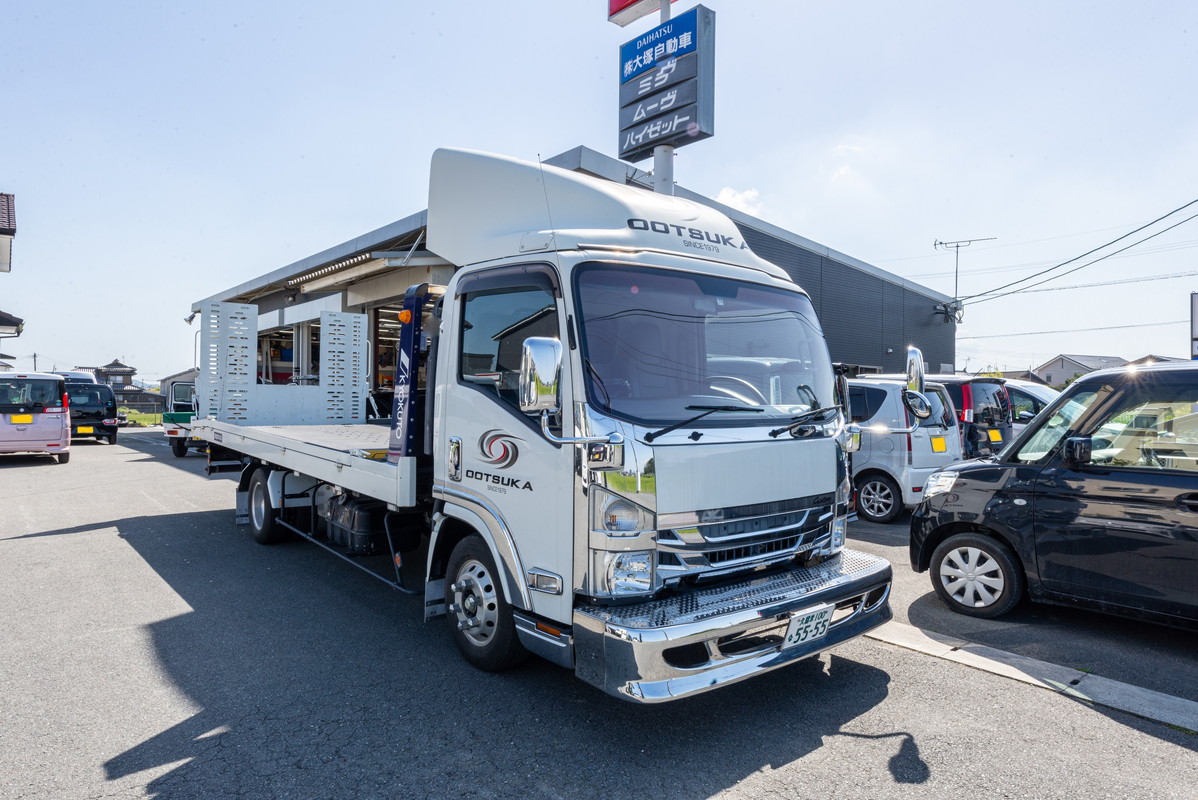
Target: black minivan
x,y
93,411
1094,504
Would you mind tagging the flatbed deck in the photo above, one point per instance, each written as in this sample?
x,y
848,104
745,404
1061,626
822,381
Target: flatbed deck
x,y
350,456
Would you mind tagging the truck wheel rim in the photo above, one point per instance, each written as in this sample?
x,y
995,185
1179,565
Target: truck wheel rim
x,y
876,498
972,577
476,603
258,506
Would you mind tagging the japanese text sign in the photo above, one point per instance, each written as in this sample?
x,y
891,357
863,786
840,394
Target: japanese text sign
x,y
667,85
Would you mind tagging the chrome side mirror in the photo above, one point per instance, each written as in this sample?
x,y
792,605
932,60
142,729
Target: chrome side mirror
x,y
852,438
915,370
540,374
913,396
919,405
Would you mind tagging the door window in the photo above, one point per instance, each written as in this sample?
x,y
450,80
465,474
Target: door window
x,y
495,324
1054,429
865,402
1023,402
1154,425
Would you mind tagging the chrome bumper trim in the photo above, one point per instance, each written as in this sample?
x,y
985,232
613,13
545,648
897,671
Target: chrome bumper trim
x,y
628,650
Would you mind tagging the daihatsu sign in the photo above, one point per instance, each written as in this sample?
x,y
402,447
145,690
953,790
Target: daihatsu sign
x,y
667,85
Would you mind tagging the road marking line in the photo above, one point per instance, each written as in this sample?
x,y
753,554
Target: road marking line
x,y
1156,706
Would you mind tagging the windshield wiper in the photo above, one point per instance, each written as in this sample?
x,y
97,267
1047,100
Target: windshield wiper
x,y
806,416
706,410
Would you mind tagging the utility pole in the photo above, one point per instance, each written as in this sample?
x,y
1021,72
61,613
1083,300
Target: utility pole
x,y
35,362
956,310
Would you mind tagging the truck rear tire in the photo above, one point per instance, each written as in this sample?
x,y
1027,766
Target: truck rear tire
x,y
179,447
64,457
480,617
263,516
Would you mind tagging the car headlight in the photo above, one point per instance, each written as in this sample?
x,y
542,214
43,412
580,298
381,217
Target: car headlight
x,y
617,516
939,483
628,573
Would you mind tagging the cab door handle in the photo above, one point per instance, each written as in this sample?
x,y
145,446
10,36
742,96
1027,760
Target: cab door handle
x,y
1188,501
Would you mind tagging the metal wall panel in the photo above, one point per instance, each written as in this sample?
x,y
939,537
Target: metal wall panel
x,y
862,315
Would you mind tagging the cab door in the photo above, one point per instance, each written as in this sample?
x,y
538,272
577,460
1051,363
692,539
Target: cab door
x,y
494,462
1123,528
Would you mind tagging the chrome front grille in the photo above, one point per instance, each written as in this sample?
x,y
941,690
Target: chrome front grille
x,y
717,541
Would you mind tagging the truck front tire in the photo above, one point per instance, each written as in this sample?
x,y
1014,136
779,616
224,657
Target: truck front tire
x,y
480,617
263,516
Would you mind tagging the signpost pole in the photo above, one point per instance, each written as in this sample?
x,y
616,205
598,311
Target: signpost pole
x,y
1194,326
663,154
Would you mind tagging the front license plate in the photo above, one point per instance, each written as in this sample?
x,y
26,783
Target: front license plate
x,y
86,429
995,436
807,625
938,445
20,419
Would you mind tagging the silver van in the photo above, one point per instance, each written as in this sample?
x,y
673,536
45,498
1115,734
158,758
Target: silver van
x,y
890,468
34,414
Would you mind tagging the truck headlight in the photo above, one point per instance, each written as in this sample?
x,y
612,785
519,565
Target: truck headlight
x,y
939,483
628,573
618,516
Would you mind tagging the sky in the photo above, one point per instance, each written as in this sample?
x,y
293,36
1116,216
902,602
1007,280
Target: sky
x,y
161,153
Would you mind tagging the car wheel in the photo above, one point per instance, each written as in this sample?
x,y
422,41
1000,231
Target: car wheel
x,y
263,517
112,438
977,575
878,499
179,447
64,458
480,617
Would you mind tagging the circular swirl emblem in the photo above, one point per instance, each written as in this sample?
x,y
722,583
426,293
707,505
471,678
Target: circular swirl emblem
x,y
498,449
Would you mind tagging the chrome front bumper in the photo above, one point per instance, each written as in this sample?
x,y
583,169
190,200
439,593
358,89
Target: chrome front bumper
x,y
691,643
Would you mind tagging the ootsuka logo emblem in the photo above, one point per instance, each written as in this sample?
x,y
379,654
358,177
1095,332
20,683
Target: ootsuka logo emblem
x,y
498,449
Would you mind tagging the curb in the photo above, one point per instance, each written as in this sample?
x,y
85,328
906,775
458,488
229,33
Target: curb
x,y
1083,686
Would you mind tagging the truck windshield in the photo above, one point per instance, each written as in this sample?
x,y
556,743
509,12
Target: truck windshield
x,y
655,341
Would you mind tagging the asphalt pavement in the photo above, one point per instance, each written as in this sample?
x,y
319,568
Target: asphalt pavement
x,y
151,649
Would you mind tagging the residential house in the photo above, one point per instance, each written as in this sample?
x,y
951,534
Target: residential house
x,y
1063,368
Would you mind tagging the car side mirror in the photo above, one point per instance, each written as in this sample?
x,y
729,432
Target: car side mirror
x,y
1078,450
540,374
1026,416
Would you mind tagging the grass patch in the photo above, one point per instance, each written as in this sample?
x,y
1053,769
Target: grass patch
x,y
141,419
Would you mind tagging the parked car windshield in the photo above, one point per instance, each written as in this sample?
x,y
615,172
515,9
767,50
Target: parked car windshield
x,y
656,341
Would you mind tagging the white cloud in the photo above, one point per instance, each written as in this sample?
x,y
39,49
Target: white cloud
x,y
746,201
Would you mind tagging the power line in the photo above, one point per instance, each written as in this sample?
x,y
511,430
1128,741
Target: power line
x,y
1089,252
1163,248
1082,266
1112,283
1075,330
